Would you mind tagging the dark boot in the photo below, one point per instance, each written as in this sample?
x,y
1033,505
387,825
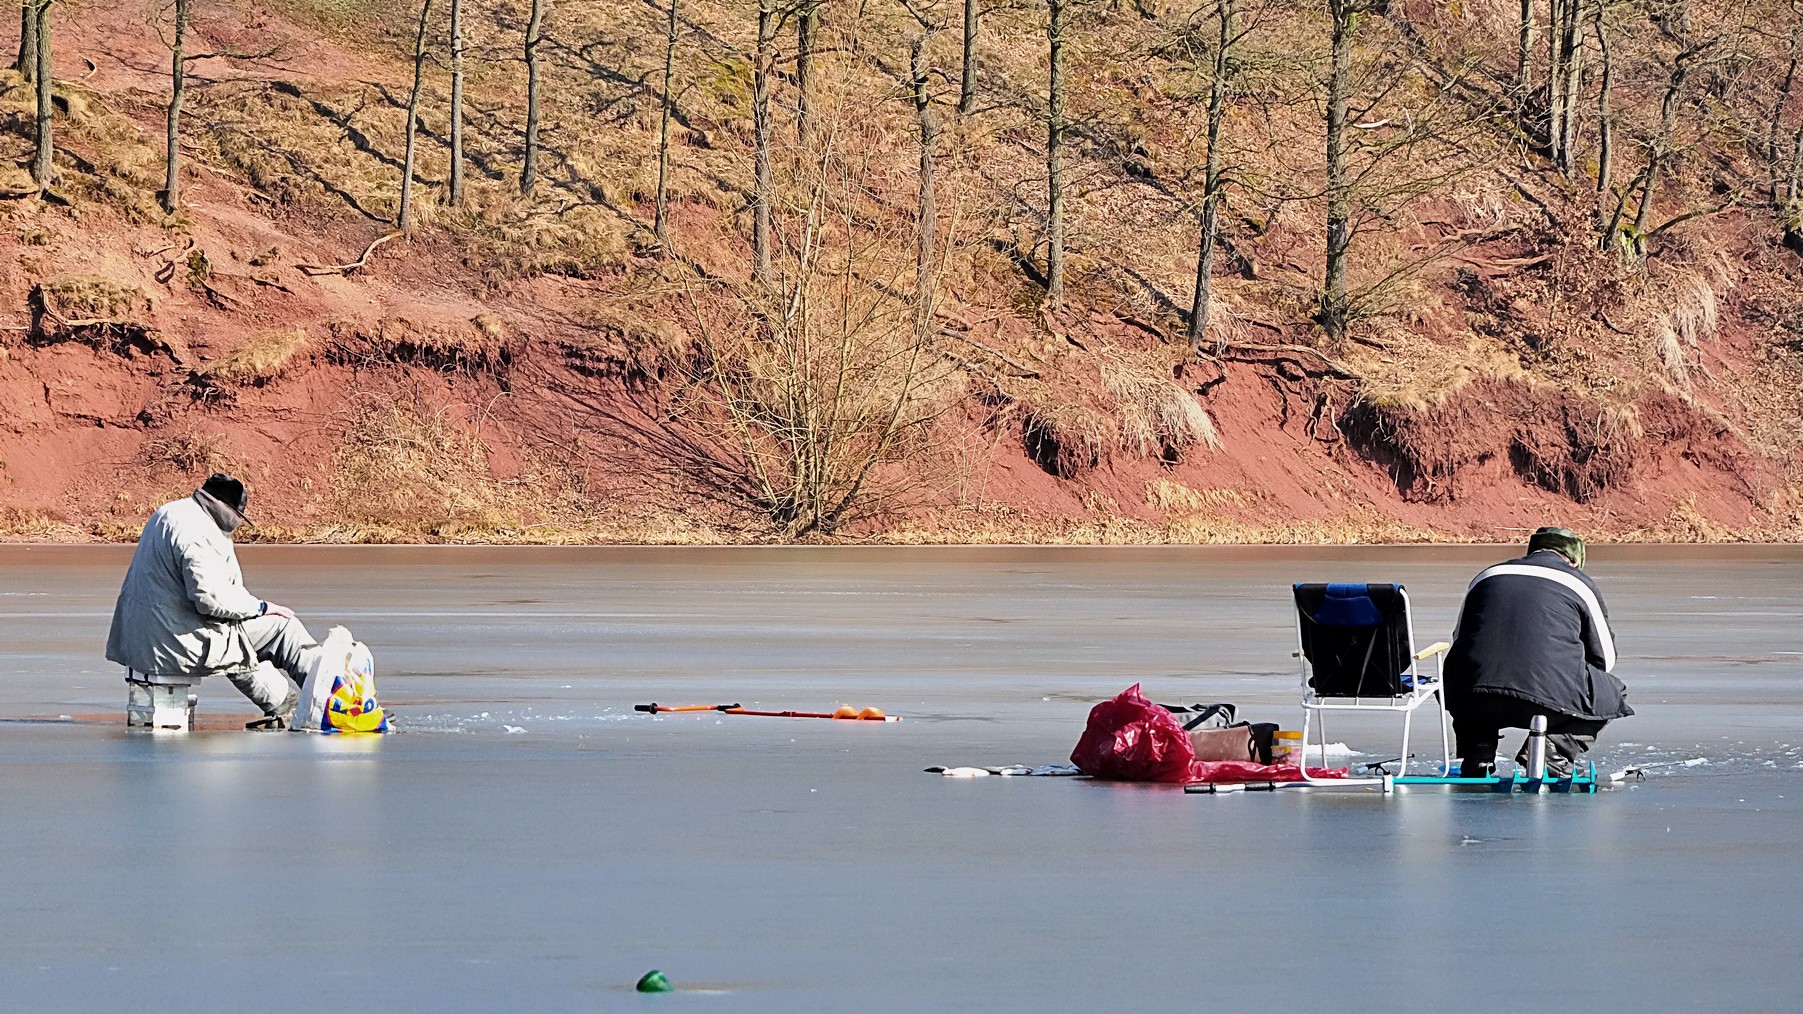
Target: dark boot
x,y
1562,752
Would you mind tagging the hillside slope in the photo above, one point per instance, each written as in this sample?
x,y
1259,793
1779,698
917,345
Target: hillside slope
x,y
540,369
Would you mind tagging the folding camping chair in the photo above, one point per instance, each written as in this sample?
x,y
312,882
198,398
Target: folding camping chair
x,y
1356,646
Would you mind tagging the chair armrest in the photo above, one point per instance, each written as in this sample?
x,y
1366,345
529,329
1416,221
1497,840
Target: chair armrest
x,y
1433,649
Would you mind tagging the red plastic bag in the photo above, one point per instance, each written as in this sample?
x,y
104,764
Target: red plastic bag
x,y
1131,739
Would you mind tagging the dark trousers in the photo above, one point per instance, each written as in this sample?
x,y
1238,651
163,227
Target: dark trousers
x,y
1478,720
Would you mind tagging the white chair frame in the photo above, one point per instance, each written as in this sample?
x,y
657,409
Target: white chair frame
x,y
1422,689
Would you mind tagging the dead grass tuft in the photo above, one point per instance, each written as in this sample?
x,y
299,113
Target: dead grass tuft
x,y
72,300
1176,498
262,359
191,452
1068,438
1156,416
25,524
480,345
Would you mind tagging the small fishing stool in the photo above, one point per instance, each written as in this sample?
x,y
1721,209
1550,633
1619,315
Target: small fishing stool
x,y
158,702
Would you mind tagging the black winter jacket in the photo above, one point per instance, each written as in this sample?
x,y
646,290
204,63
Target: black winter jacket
x,y
1536,628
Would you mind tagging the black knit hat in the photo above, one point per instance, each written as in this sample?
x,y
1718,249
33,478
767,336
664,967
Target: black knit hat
x,y
1563,541
228,491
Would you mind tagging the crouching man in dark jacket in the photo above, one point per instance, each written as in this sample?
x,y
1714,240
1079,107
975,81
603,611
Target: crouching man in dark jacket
x,y
1533,639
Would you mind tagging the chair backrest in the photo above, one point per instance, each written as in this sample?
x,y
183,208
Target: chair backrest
x,y
1356,638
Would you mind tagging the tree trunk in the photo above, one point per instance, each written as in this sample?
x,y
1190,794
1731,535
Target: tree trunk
x,y
1335,309
1791,191
1524,60
807,26
28,41
405,220
762,183
41,166
1774,134
1054,157
967,91
1572,49
178,67
1211,183
535,24
1563,40
1668,115
660,226
456,185
1605,128
1555,81
927,221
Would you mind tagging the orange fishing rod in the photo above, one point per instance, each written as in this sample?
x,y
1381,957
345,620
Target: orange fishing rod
x,y
846,713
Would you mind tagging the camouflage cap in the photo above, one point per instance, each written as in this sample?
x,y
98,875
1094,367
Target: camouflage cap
x,y
1563,541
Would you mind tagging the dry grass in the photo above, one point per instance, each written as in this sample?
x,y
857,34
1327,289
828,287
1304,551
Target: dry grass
x,y
479,345
403,473
1176,498
76,298
191,452
1156,416
27,525
104,159
1068,438
993,527
1417,374
262,359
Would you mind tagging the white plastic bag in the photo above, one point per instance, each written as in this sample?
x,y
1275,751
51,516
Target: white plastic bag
x,y
339,694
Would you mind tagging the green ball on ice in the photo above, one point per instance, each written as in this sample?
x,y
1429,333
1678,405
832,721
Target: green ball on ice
x,y
654,982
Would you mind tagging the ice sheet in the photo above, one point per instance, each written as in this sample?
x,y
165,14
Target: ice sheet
x,y
789,864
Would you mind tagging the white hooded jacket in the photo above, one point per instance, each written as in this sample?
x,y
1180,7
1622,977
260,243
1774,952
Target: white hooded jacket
x,y
183,603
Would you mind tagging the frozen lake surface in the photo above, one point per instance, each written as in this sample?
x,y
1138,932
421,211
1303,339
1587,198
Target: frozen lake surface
x,y
530,843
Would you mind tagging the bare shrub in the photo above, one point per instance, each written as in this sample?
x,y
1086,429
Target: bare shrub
x,y
820,374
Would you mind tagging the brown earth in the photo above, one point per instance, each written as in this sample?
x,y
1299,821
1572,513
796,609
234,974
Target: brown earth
x,y
433,396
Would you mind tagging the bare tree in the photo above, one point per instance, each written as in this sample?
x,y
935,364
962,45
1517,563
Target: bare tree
x,y
404,220
1605,122
807,28
660,223
838,380
535,25
1565,38
1642,190
42,165
1054,154
926,225
1524,51
1781,147
178,68
456,183
27,66
763,182
967,89
1218,85
1335,308
1399,126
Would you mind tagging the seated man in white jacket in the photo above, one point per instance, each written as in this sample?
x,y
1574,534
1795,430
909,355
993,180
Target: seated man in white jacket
x,y
184,610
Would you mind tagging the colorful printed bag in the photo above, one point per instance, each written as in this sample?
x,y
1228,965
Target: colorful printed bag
x,y
340,692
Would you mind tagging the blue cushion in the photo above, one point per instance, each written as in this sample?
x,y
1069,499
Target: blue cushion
x,y
1348,605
